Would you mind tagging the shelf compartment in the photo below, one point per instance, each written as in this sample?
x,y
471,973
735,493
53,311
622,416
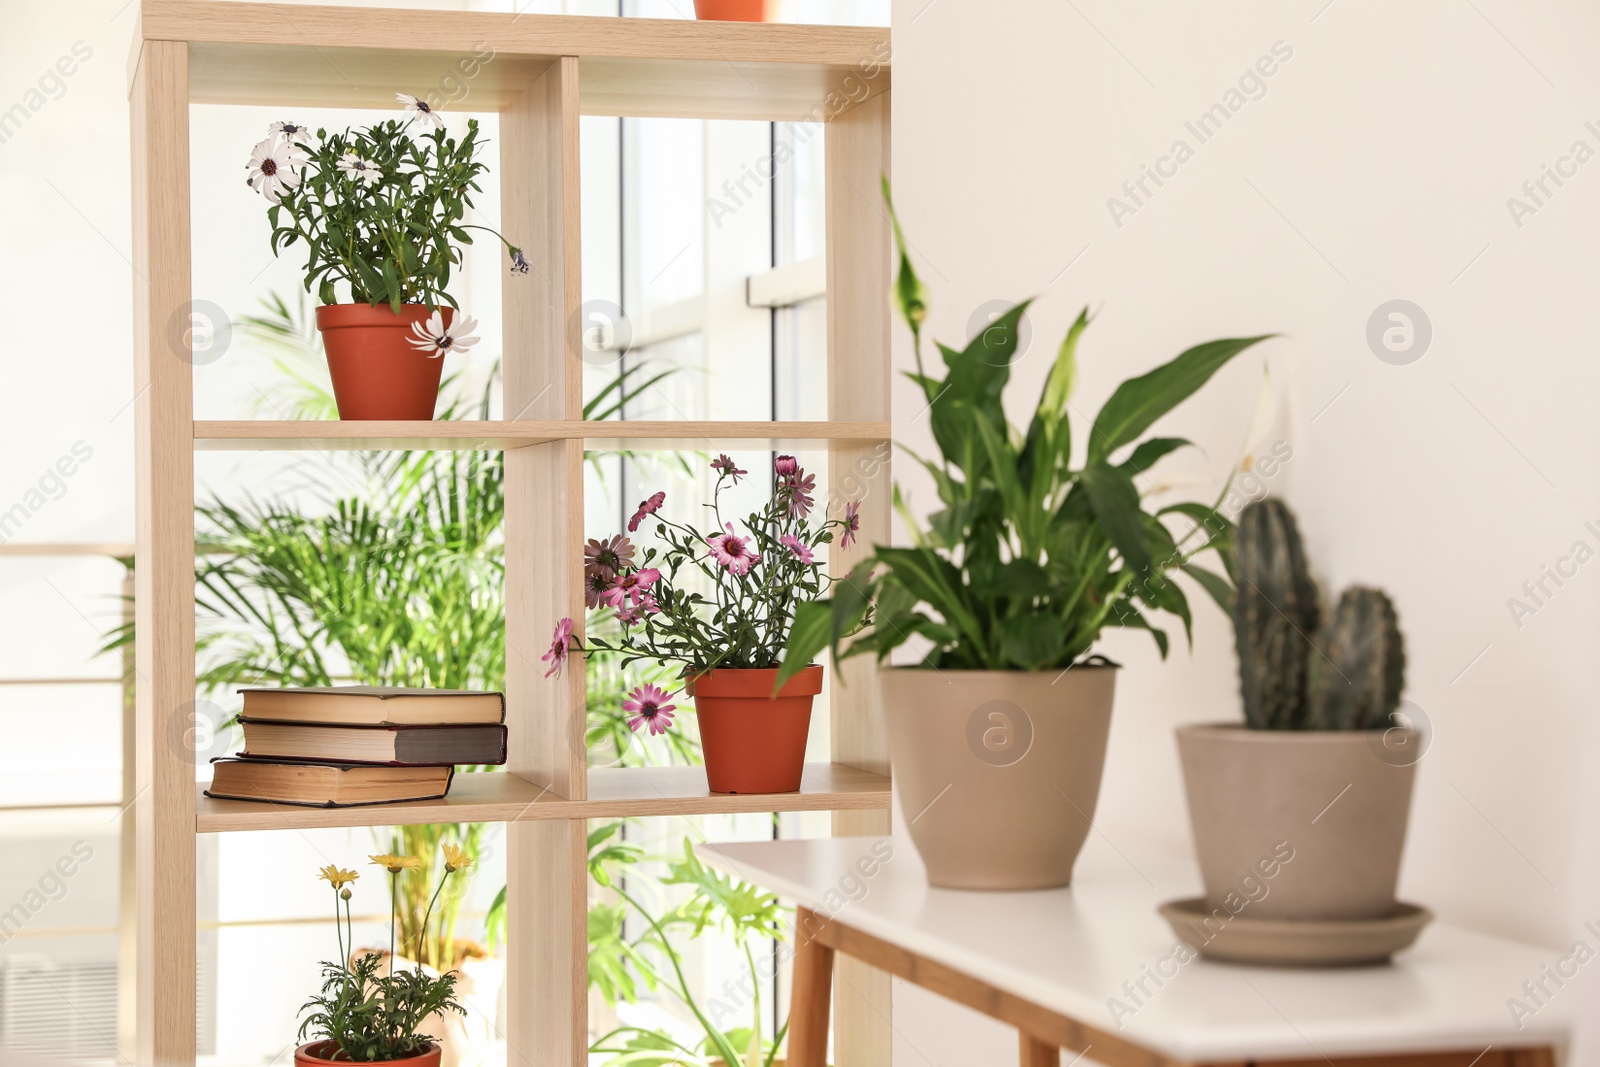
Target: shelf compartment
x,y
260,435
613,793
253,53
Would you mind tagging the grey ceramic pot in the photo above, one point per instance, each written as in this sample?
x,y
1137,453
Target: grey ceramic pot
x,y
1301,824
998,771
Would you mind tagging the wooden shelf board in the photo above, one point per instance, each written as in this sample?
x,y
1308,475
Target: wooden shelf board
x,y
613,793
253,53
462,435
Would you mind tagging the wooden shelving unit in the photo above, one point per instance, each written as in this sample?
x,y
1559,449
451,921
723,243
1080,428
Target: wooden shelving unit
x,y
264,436
545,72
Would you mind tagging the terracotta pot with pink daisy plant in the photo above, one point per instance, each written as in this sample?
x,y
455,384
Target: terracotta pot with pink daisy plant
x,y
720,604
379,211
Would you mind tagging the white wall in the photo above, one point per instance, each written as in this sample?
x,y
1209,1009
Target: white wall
x,y
1375,165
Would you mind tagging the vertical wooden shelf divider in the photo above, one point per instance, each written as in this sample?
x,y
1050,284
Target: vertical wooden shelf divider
x,y
547,862
858,241
545,72
164,804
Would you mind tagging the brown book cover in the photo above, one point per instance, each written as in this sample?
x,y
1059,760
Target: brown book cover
x,y
324,785
376,705
410,745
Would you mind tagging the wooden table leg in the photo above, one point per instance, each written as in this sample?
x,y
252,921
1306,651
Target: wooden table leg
x,y
810,997
1036,1053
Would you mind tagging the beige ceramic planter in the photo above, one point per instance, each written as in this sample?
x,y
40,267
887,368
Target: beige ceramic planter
x,y
998,771
1301,824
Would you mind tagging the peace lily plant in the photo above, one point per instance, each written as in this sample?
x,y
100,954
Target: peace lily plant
x,y
1035,549
381,212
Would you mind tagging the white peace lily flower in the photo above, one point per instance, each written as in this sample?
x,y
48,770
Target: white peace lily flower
x,y
432,337
422,109
364,169
274,168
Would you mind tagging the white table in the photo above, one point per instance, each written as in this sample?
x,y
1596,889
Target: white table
x,y
1058,964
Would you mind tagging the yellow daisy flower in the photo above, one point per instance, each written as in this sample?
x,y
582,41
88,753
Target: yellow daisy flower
x,y
339,878
395,864
455,859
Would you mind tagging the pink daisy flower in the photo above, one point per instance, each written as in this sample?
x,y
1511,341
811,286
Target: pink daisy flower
x,y
725,465
628,614
630,587
646,507
852,524
595,584
611,556
796,492
732,551
649,707
795,545
785,466
560,644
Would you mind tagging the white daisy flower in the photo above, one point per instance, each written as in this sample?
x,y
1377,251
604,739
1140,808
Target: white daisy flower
x,y
356,167
274,168
423,110
290,131
432,337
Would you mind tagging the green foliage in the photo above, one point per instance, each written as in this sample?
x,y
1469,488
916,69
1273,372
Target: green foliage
x,y
720,902
392,241
375,1017
1274,615
1345,674
1029,557
1355,680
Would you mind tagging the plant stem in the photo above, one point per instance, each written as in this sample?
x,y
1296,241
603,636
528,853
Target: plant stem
x,y
422,932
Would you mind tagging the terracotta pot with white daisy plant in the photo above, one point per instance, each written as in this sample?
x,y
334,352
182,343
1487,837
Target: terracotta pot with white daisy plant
x,y
721,605
380,211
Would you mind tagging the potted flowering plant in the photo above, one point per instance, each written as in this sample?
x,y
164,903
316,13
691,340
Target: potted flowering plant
x,y
729,643
736,10
380,210
368,1010
1034,552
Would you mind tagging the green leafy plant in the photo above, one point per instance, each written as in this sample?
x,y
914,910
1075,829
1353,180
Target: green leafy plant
x,y
380,209
1032,554
371,1009
1297,672
735,907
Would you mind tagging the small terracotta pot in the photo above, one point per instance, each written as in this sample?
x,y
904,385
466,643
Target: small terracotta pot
x,y
1305,824
321,1053
998,771
754,742
377,372
735,10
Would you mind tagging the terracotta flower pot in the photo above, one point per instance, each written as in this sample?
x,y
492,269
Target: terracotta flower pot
x,y
998,771
321,1053
377,372
1305,824
754,742
736,10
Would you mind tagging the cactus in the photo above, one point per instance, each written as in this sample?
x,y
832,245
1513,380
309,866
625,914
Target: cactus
x,y
1274,616
1359,667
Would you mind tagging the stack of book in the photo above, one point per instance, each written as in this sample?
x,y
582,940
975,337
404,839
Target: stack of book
x,y
349,745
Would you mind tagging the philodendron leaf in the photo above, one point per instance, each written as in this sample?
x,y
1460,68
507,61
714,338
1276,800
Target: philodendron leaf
x,y
1149,452
1212,583
1139,402
1058,386
1115,500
